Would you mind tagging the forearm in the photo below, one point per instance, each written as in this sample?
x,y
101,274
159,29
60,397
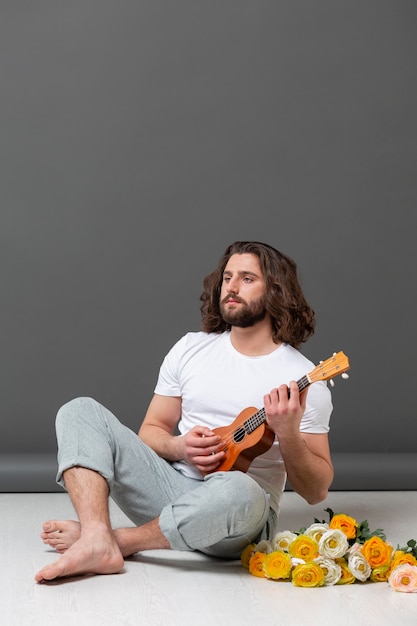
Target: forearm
x,y
309,474
306,455
165,444
160,423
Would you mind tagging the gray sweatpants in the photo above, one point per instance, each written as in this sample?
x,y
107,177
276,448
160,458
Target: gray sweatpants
x,y
219,515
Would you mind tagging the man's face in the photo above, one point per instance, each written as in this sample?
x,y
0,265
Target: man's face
x,y
242,295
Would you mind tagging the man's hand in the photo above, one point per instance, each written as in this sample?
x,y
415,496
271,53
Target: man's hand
x,y
284,410
202,448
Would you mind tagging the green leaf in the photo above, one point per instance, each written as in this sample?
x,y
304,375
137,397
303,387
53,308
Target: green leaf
x,y
331,514
364,533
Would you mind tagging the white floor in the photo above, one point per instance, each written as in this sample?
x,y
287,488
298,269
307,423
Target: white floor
x,y
186,589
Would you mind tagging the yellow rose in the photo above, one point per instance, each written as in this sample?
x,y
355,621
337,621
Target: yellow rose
x,y
304,547
377,552
256,564
346,578
277,565
345,523
246,555
308,575
380,574
401,558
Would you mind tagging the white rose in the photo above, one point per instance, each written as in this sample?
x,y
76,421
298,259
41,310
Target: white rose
x,y
333,544
264,546
332,570
283,539
359,566
316,531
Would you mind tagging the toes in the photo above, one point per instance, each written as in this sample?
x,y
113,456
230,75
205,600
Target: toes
x,y
58,547
51,542
60,568
50,526
47,573
51,537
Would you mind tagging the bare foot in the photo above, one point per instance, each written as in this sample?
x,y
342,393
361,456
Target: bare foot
x,y
60,535
95,552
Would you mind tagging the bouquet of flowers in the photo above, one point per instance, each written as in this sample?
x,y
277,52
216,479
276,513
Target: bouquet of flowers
x,y
339,552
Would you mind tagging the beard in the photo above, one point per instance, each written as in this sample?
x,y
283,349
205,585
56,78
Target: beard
x,y
246,315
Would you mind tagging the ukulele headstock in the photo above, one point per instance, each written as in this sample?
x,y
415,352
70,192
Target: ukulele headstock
x,y
327,370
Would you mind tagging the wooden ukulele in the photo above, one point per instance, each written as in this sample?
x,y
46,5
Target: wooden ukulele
x,y
248,435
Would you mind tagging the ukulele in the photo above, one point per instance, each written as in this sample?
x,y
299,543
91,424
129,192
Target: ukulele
x,y
248,435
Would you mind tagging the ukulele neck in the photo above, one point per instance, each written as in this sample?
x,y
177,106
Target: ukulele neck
x,y
259,417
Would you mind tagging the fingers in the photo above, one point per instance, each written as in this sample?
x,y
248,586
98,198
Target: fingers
x,y
204,448
208,455
199,439
280,397
284,408
210,462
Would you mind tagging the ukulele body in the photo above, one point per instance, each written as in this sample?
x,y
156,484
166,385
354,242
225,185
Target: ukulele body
x,y
240,446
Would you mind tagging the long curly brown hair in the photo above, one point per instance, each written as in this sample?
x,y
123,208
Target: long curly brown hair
x,y
292,318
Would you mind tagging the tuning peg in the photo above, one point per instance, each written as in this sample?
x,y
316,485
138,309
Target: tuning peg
x,y
331,381
345,376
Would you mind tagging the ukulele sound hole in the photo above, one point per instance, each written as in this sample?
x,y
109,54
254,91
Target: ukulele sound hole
x,y
239,435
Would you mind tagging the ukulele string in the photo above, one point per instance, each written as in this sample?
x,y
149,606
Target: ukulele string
x,y
248,426
256,420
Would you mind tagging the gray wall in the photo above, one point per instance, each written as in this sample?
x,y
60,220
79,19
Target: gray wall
x,y
138,139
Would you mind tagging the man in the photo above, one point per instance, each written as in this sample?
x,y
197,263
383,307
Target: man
x,y
254,317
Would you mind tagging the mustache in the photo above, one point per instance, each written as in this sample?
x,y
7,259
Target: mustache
x,y
234,297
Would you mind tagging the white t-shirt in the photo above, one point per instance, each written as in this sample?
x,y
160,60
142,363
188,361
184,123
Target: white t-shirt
x,y
216,382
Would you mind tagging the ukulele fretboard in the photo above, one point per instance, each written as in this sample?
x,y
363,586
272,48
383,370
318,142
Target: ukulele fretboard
x,y
259,417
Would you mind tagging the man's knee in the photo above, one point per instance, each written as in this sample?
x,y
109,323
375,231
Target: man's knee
x,y
83,437
242,496
77,416
74,408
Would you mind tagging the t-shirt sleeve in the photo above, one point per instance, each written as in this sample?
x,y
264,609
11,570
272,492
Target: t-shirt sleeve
x,y
168,383
316,418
